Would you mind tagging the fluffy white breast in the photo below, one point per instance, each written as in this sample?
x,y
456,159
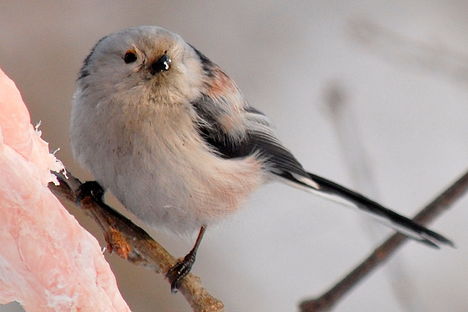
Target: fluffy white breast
x,y
153,160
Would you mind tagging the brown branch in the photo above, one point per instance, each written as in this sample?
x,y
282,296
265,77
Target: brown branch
x,y
382,253
133,244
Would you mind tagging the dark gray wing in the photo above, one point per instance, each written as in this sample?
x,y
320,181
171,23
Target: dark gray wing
x,y
258,140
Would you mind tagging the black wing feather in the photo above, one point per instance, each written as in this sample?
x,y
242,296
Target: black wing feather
x,y
277,158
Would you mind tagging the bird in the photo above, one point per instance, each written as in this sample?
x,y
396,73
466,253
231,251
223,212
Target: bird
x,y
171,135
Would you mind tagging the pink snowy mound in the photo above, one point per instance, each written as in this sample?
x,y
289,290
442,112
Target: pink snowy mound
x,y
48,262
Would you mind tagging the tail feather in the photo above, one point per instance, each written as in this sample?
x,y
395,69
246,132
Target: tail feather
x,y
338,193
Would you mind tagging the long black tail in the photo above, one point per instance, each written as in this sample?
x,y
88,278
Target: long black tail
x,y
338,193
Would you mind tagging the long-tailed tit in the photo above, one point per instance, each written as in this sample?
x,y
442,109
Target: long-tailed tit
x,y
171,135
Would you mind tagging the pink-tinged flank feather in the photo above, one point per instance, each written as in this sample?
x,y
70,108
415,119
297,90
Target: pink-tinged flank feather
x,y
48,262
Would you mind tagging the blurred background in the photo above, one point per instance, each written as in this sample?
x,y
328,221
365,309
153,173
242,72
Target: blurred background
x,y
371,94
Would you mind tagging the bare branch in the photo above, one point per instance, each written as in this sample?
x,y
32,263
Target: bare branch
x,y
359,165
433,57
133,244
382,253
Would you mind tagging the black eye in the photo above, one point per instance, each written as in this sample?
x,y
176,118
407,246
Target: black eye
x,y
130,57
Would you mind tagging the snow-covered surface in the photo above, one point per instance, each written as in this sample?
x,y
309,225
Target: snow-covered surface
x,y
48,262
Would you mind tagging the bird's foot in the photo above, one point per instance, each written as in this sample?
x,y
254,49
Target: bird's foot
x,y
92,189
181,269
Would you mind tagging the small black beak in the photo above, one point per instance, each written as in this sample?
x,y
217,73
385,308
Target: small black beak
x,y
163,64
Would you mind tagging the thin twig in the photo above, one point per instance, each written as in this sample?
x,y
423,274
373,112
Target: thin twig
x,y
382,253
133,244
359,166
433,57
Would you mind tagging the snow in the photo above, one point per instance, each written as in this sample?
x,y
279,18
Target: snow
x,y
48,262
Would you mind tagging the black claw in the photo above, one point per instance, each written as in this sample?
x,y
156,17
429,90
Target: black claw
x,y
176,274
90,188
180,270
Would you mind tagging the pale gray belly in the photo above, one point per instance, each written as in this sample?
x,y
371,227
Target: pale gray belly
x,y
182,193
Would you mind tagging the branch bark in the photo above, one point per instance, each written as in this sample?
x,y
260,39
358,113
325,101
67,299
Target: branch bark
x,y
382,253
133,244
